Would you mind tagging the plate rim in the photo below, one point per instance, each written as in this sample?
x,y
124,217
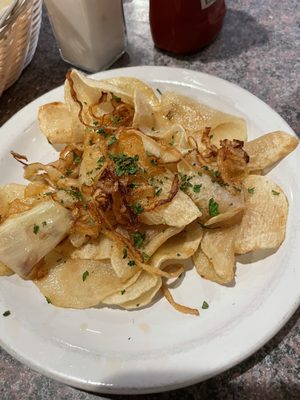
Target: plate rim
x,y
105,388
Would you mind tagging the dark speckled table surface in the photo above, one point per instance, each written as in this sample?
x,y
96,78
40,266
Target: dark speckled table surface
x,y
258,49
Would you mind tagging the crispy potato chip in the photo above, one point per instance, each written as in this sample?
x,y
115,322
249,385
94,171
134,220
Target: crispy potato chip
x,y
143,115
264,222
80,283
99,249
8,193
55,121
231,217
194,116
156,235
138,294
266,150
4,270
205,268
122,264
131,85
144,299
228,203
179,247
218,246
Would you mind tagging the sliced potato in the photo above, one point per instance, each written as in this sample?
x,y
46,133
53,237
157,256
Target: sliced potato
x,y
264,222
179,247
138,294
205,268
99,249
266,150
80,283
8,193
218,246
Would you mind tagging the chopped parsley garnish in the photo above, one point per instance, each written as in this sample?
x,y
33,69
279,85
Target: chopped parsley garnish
x,y
213,208
134,185
112,140
125,164
197,188
138,208
251,190
69,172
205,305
131,263
185,182
275,193
146,256
48,300
89,172
158,192
100,162
36,228
116,98
76,158
205,167
123,291
6,313
74,192
102,132
44,223
125,253
138,239
200,173
178,254
85,275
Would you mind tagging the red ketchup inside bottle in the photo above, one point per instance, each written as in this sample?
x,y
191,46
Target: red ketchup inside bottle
x,y
185,26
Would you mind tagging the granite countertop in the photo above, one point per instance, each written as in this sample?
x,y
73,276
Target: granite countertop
x,y
258,49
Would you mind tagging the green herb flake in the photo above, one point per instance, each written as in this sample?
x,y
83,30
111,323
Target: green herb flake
x,y
197,188
112,140
213,208
125,253
36,228
85,275
185,182
44,223
146,256
138,239
102,132
131,263
6,313
158,192
125,164
158,91
123,291
205,305
76,158
138,208
134,185
48,300
251,190
116,98
275,193
100,162
178,254
75,193
69,172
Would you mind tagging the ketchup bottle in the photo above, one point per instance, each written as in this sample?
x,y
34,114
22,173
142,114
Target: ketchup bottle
x,y
185,26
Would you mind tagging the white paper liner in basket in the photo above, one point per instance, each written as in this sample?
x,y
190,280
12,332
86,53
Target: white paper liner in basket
x,y
18,40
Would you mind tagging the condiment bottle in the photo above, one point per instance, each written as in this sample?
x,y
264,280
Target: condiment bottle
x,y
185,26
91,34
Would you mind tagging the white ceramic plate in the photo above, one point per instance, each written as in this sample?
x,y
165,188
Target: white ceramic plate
x,y
157,348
